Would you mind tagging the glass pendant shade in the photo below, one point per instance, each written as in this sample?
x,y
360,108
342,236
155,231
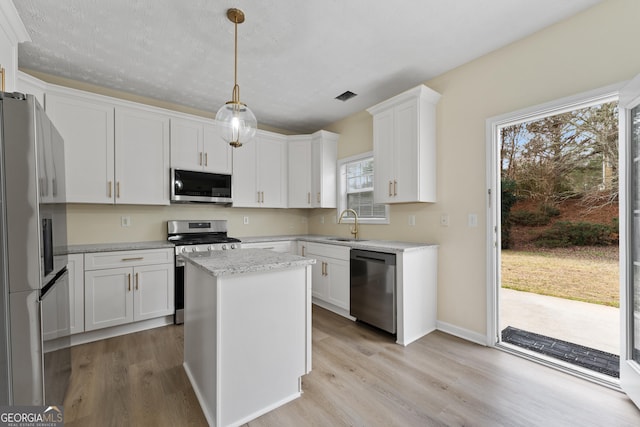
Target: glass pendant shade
x,y
236,119
238,123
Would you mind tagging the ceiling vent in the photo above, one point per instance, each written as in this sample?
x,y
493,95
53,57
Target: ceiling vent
x,y
346,96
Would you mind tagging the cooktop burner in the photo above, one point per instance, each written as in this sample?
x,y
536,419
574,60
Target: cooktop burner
x,y
198,232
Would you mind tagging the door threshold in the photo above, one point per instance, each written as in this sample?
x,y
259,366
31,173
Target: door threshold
x,y
568,368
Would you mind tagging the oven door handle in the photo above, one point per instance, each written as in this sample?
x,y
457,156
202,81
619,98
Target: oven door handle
x,y
179,262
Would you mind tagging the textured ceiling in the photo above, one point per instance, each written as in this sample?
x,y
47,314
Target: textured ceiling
x,y
295,57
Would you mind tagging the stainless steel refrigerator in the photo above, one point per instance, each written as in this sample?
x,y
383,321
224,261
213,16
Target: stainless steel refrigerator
x,y
34,287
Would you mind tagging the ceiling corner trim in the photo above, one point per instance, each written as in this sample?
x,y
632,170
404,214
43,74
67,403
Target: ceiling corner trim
x,y
12,24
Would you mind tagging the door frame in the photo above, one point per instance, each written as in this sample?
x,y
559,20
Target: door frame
x,y
592,97
629,369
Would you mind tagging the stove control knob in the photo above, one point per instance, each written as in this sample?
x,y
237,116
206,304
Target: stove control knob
x,y
212,248
194,249
183,250
233,246
224,247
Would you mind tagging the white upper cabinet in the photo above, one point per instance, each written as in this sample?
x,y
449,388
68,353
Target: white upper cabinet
x,y
260,172
404,147
141,157
197,145
113,154
312,170
87,128
300,171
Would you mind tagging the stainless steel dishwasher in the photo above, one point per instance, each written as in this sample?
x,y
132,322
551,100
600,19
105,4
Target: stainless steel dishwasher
x,y
373,288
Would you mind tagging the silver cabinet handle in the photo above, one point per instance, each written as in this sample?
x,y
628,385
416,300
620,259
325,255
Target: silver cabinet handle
x,y
303,251
109,189
200,160
118,189
318,197
138,258
137,281
129,280
390,190
395,187
206,159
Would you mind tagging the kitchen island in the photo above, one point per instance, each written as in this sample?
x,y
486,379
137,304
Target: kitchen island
x,y
247,331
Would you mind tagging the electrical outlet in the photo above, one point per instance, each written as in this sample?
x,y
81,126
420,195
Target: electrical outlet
x,y
472,220
444,220
412,220
245,220
125,221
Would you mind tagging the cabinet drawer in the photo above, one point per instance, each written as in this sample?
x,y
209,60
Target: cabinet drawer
x,y
330,251
280,246
101,260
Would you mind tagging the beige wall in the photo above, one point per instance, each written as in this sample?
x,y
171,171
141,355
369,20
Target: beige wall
x,y
591,50
102,223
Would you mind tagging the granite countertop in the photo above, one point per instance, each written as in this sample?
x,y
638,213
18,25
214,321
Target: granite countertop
x,y
372,245
222,263
125,246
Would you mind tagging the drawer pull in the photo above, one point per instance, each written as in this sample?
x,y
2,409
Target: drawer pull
x,y
129,280
139,258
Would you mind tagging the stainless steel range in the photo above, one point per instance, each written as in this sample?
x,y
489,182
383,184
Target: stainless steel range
x,y
196,236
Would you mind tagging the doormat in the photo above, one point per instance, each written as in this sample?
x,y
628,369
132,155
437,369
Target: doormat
x,y
596,360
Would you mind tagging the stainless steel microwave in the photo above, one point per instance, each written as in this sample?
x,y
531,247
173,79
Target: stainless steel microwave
x,y
203,187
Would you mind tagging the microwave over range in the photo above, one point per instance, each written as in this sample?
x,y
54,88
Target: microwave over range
x,y
203,187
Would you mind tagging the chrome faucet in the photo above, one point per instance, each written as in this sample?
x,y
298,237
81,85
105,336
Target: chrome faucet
x,y
354,230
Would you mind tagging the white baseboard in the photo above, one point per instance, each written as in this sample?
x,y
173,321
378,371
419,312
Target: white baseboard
x,y
461,333
114,331
328,306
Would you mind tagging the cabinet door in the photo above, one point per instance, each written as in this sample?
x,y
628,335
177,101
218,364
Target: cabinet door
x,y
319,284
406,178
338,278
300,171
217,153
142,157
186,144
383,153
272,170
75,266
87,129
153,291
324,157
108,298
245,176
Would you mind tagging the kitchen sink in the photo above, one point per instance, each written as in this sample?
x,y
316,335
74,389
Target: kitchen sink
x,y
346,239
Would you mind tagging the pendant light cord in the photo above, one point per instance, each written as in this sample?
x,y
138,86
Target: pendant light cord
x,y
235,96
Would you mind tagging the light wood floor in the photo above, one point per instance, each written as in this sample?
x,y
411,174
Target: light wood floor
x,y
359,378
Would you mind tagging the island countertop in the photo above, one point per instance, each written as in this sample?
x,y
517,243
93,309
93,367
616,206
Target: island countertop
x,y
222,263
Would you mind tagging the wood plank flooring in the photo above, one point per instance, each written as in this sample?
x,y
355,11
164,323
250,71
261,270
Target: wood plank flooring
x,y
359,378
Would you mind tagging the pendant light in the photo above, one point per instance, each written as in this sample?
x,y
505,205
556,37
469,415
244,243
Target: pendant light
x,y
237,120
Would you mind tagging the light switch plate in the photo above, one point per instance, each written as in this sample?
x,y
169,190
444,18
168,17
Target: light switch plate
x,y
472,220
245,220
444,220
125,221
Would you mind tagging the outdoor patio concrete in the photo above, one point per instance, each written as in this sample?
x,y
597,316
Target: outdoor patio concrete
x,y
591,325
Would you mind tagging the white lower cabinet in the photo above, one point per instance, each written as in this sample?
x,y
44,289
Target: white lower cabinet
x,y
75,265
276,246
330,274
135,287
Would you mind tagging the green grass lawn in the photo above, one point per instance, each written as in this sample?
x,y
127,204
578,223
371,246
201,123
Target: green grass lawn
x,y
591,279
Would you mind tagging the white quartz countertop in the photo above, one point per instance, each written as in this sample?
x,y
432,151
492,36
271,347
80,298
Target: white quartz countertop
x,y
221,263
124,246
389,246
